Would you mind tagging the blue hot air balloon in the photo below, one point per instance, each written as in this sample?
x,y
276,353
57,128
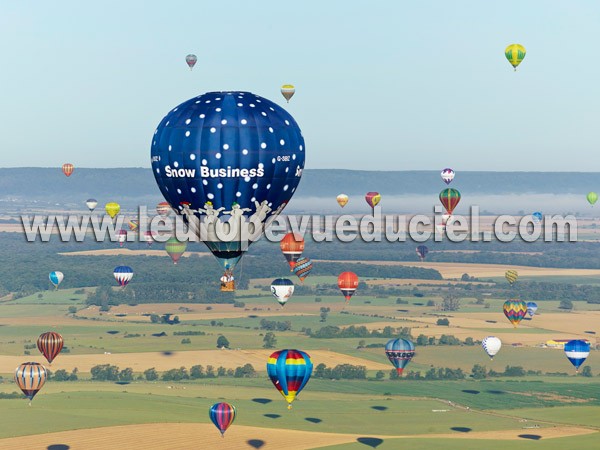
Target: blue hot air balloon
x,y
537,217
56,278
123,275
422,251
577,351
228,157
531,308
400,352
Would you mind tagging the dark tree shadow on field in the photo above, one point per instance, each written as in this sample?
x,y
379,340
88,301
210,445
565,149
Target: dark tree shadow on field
x,y
491,321
461,429
113,332
379,408
256,443
262,401
496,392
168,353
402,310
370,441
272,416
313,420
470,391
534,437
122,383
58,447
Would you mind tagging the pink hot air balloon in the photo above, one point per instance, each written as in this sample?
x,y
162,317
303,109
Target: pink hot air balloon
x,y
191,60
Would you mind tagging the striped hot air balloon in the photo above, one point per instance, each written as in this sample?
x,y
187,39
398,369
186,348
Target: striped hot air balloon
x,y
515,310
175,248
163,209
348,283
450,198
515,53
577,351
68,169
30,377
289,371
292,246
399,352
288,91
511,276
50,344
303,267
491,345
123,275
222,415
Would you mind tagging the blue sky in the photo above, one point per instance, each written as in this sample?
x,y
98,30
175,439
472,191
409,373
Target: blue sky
x,y
388,85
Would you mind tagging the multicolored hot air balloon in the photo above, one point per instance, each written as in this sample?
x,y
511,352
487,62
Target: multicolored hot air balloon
x,y
577,351
400,352
515,53
30,377
373,199
450,198
515,310
348,283
56,278
511,276
149,238
112,209
133,224
222,415
531,308
342,200
91,203
239,157
175,248
422,251
163,209
282,289
123,275
289,371
447,175
50,344
491,345
288,91
302,268
537,217
191,60
68,169
292,246
122,237
592,198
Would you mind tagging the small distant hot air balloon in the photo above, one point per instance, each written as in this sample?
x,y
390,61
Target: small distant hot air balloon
x,y
515,53
30,377
56,278
447,175
422,251
491,345
292,246
175,248
399,352
68,169
289,371
123,275
348,283
122,237
163,209
515,310
342,200
133,224
282,289
537,217
91,203
222,415
191,60
373,199
149,237
577,351
50,344
592,198
302,268
450,198
288,91
511,276
112,209
531,308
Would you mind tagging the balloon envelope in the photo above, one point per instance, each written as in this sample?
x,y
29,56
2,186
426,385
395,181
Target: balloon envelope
x,y
50,344
191,60
30,377
491,345
163,209
348,283
422,251
67,169
175,248
56,278
303,267
515,310
515,53
399,352
282,289
577,351
289,371
511,276
537,217
373,198
292,246
123,275
222,415
342,200
447,175
91,203
531,308
450,198
592,198
112,209
288,91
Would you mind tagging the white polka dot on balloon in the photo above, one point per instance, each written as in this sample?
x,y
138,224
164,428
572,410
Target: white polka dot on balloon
x,y
238,194
287,122
225,146
202,116
210,196
193,190
240,104
220,185
247,179
213,130
252,105
269,186
205,182
245,151
281,142
207,101
157,170
271,129
264,113
253,199
218,156
273,160
218,109
188,121
187,134
243,121
261,166
170,148
204,162
255,185
263,145
224,122
294,156
179,191
176,164
285,188
287,169
301,148
192,157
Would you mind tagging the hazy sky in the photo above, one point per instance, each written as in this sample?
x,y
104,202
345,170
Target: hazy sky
x,y
382,85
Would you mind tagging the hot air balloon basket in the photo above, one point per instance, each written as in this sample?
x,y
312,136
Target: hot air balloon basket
x,y
228,286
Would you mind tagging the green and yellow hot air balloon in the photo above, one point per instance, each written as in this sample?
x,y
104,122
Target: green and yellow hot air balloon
x,y
592,198
175,248
515,53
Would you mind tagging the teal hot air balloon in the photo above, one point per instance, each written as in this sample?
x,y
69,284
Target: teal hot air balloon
x,y
56,278
400,352
289,371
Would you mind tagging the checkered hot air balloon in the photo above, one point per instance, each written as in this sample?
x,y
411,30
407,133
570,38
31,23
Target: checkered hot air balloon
x,y
222,415
577,351
515,310
50,344
30,377
289,371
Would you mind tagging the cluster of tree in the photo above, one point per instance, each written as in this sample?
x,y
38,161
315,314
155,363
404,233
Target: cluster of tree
x,y
189,333
273,325
63,375
480,372
108,372
441,373
165,319
353,331
198,371
444,339
269,341
340,372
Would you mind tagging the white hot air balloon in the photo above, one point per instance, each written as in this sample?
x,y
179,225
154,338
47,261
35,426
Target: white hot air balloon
x,y
91,203
447,175
491,345
282,289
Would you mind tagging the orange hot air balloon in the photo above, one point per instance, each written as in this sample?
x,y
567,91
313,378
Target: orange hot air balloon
x,y
50,344
373,199
348,282
292,246
67,169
